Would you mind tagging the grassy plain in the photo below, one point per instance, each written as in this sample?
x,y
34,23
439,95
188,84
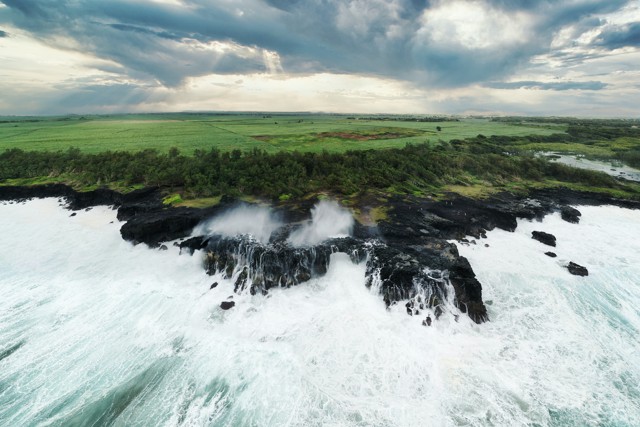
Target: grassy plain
x,y
269,132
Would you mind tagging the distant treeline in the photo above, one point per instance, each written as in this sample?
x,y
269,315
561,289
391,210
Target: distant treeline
x,y
414,169
570,121
429,119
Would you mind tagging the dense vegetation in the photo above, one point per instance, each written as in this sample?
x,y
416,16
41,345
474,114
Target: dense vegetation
x,y
419,169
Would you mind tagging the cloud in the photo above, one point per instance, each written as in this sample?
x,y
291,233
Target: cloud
x,y
136,49
435,42
591,85
615,37
3,34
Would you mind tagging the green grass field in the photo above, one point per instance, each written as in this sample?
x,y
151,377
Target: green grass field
x,y
274,132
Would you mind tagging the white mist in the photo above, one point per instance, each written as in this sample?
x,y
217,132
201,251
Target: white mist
x,y
256,221
328,219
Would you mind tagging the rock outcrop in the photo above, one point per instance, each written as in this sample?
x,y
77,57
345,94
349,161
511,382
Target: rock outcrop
x,y
545,238
570,214
577,270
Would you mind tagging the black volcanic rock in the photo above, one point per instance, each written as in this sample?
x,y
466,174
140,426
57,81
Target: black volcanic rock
x,y
76,200
265,266
193,244
140,202
570,214
577,270
545,238
160,226
551,254
226,305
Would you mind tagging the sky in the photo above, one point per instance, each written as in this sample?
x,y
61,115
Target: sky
x,y
517,57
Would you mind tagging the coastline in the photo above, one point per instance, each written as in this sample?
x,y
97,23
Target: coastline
x,y
415,234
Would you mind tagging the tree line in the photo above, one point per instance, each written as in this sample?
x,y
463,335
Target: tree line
x,y
412,169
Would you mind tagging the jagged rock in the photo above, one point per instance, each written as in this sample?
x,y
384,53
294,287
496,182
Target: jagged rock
x,y
570,214
161,226
226,305
193,244
272,265
140,202
545,238
551,254
577,270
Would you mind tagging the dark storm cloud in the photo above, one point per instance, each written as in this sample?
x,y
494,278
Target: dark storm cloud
x,y
621,36
376,37
591,85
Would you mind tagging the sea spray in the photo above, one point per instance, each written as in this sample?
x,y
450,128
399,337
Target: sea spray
x,y
256,221
96,317
328,219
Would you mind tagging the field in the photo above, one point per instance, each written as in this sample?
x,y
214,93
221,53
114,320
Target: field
x,y
272,132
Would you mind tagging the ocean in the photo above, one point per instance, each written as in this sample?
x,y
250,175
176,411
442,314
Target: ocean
x,y
95,331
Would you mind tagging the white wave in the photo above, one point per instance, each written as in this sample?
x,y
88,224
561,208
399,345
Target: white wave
x,y
256,221
328,219
98,329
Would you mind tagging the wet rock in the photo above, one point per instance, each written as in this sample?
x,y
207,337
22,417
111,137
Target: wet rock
x,y
272,265
551,254
226,305
570,214
427,321
161,226
577,270
73,214
163,248
438,312
545,238
213,285
193,244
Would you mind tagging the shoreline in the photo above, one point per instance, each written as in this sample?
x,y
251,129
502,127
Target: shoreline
x,y
416,233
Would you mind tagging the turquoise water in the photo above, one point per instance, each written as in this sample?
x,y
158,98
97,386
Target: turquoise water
x,y
94,331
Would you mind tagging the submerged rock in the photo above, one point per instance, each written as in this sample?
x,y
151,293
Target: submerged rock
x,y
577,270
570,214
545,238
